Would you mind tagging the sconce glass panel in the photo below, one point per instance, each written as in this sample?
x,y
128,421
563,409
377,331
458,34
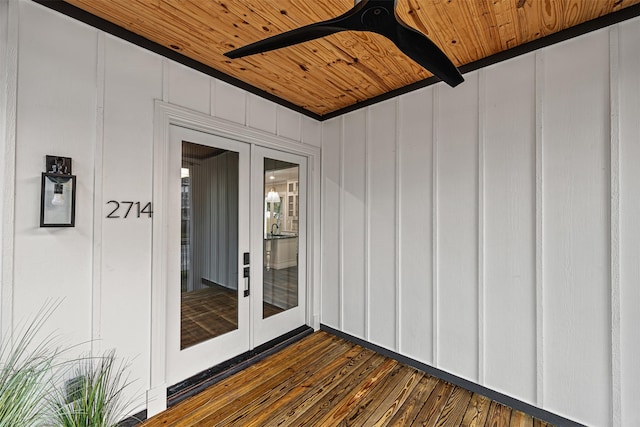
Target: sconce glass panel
x,y
58,203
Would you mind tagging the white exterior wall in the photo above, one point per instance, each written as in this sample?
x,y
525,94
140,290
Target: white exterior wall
x,y
627,234
84,94
492,230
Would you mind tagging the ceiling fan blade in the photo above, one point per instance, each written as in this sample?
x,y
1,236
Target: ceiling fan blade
x,y
367,15
418,47
347,21
289,38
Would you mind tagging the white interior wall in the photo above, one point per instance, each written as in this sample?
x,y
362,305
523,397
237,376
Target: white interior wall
x,y
84,94
214,204
491,230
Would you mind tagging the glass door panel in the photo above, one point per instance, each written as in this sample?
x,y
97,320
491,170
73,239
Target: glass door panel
x,y
279,240
209,243
281,243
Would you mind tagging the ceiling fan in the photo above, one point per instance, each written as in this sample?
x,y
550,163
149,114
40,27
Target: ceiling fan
x,y
377,16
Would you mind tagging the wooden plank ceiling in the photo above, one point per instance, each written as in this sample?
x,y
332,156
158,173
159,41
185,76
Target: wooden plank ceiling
x,y
333,73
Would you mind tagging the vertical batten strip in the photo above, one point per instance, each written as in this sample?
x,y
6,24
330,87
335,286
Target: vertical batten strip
x,y
212,97
341,229
96,289
156,395
316,266
434,218
398,236
367,220
165,79
481,183
614,93
245,110
539,88
9,106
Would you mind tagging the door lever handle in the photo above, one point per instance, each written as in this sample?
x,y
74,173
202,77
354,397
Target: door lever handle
x,y
247,282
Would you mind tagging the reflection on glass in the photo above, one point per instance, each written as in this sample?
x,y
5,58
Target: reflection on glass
x,y
209,243
280,272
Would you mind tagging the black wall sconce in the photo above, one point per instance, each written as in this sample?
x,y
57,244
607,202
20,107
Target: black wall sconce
x,y
58,194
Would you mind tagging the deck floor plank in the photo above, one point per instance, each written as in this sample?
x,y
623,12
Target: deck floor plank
x,y
499,415
477,411
520,419
266,400
455,408
433,406
317,391
372,400
394,399
323,380
247,390
347,393
313,388
411,407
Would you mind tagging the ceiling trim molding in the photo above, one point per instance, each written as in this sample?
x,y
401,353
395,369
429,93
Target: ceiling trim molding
x,y
120,32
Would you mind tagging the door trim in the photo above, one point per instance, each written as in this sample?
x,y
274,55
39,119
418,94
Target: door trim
x,y
165,115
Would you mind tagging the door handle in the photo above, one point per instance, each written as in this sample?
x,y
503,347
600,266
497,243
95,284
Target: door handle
x,y
247,282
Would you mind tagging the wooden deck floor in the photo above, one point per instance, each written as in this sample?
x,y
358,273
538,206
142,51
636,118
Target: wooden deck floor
x,y
324,380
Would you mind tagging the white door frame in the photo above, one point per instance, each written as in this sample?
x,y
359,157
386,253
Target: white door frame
x,y
165,115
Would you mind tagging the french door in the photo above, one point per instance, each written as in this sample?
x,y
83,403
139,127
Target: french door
x,y
279,241
237,238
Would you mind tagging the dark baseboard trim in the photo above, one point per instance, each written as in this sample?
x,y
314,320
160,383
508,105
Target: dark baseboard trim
x,y
211,283
519,405
106,26
197,383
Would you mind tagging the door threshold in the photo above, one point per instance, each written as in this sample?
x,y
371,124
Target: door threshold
x,y
195,384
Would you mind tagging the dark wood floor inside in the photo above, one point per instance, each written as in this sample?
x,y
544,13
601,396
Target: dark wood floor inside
x,y
210,312
280,287
324,380
207,313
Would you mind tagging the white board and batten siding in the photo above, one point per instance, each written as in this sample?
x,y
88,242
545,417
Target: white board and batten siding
x,y
629,218
87,95
575,197
353,218
382,214
56,89
492,230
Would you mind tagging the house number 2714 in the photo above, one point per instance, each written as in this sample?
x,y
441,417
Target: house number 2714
x,y
126,209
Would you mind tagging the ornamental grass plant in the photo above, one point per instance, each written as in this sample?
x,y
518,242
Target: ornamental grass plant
x,y
41,387
94,397
27,366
